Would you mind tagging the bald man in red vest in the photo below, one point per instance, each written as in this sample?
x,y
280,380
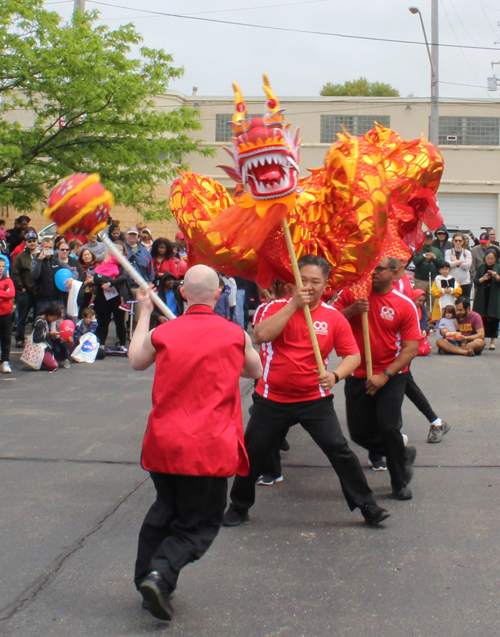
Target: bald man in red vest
x,y
194,438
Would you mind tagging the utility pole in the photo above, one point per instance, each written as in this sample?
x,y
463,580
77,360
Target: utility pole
x,y
79,4
434,123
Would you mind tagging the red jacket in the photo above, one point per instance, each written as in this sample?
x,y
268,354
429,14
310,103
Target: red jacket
x,y
7,293
195,427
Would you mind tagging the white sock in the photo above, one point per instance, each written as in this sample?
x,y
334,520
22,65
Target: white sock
x,y
438,422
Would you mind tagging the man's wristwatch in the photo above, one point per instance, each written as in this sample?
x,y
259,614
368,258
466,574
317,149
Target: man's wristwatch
x,y
388,373
337,379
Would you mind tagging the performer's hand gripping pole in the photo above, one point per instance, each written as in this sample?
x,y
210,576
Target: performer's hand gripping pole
x,y
307,311
368,348
131,271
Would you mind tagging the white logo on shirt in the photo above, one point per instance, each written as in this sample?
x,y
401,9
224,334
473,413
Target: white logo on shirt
x,y
321,327
387,313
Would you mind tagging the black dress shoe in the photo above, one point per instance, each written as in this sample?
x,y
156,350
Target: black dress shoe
x,y
374,514
156,595
403,494
234,516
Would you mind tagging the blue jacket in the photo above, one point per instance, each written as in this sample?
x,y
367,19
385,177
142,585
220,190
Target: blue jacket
x,y
142,262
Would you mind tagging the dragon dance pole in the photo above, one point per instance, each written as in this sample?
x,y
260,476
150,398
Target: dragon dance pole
x,y
307,311
368,347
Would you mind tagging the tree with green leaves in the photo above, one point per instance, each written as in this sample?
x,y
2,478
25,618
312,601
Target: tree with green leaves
x,y
359,88
91,109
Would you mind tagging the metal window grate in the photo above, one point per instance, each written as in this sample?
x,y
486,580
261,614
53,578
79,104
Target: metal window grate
x,y
355,124
223,130
469,131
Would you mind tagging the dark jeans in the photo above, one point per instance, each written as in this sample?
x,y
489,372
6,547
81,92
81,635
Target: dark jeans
x,y
414,393
269,423
5,336
181,525
24,303
104,309
375,422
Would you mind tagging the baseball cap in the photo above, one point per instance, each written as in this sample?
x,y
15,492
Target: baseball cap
x,y
179,235
428,234
132,230
484,238
30,235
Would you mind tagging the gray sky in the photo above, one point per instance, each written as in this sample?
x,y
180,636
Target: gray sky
x,y
214,55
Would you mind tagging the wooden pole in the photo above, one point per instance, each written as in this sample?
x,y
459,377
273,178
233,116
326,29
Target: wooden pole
x,y
307,311
130,270
368,348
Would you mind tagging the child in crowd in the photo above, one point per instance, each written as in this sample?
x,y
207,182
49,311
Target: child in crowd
x,y
46,330
222,306
7,293
87,324
106,272
445,289
449,321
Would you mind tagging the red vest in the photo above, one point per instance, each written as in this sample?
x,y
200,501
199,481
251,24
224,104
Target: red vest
x,y
195,427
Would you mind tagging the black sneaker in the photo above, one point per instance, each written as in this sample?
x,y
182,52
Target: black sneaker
x,y
234,516
20,344
374,514
410,456
156,594
377,462
403,494
266,481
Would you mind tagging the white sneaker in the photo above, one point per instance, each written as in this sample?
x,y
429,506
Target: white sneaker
x,y
6,368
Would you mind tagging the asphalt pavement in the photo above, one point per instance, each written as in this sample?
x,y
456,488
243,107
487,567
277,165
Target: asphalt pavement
x,y
73,497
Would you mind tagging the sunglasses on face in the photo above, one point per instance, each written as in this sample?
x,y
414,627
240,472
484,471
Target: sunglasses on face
x,y
63,249
381,268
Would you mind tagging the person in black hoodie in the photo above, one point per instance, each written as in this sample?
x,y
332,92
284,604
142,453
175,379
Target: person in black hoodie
x,y
170,294
442,241
43,270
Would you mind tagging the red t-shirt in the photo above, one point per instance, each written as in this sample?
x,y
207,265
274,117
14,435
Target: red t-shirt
x,y
470,324
289,361
403,285
392,319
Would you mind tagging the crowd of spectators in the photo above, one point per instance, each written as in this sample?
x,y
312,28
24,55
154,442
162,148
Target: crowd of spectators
x,y
97,291
447,270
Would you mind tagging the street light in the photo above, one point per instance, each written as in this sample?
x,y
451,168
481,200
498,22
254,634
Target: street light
x,y
434,62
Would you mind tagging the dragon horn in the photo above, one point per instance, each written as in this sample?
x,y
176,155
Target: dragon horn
x,y
274,116
239,123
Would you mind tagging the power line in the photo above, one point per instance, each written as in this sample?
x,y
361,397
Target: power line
x,y
289,30
269,6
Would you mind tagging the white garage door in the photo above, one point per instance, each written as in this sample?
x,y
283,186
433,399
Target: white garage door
x,y
469,212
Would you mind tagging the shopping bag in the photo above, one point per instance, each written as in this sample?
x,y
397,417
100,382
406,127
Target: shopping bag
x,y
33,353
72,307
86,350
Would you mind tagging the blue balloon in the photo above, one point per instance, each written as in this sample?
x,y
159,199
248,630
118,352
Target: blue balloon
x,y
6,259
60,278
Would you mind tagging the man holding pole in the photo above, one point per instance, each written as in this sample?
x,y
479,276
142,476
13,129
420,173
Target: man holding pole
x,y
194,437
292,391
374,404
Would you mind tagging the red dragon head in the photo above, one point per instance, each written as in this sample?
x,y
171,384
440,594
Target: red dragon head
x,y
266,157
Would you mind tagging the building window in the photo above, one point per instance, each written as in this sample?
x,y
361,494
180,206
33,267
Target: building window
x,y
469,131
223,130
355,124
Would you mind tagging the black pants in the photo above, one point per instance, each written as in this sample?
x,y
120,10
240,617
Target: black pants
x,y
375,422
181,525
104,309
5,336
24,303
415,394
269,423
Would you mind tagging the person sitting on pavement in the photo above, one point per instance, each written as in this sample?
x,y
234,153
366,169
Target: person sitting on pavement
x,y
487,297
7,293
445,290
469,338
426,263
291,391
194,437
86,324
25,285
448,322
460,260
46,330
373,405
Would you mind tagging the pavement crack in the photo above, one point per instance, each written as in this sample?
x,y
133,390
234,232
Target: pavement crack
x,y
31,591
